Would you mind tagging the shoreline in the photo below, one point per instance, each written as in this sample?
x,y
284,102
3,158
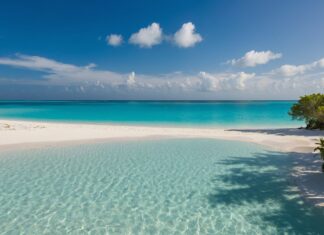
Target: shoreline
x,y
158,124
15,134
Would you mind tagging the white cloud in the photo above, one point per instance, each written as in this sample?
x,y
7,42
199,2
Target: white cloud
x,y
114,39
253,58
242,78
288,70
320,63
60,73
224,81
292,70
96,83
209,82
37,63
147,37
131,79
153,35
186,36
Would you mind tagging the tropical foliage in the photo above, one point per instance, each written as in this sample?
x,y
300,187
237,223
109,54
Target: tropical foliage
x,y
310,108
320,148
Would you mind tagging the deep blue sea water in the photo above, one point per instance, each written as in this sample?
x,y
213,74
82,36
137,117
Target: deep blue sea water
x,y
191,186
218,113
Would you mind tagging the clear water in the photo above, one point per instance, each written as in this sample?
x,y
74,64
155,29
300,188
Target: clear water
x,y
152,187
221,113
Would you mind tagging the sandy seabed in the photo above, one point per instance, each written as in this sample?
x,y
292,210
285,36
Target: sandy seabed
x,y
306,171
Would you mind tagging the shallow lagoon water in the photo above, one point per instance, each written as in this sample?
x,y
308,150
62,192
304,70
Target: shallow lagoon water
x,y
169,186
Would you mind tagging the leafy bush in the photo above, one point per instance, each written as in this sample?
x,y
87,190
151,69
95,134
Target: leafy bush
x,y
320,148
311,109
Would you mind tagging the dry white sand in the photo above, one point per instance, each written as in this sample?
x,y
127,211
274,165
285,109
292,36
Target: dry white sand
x,y
307,171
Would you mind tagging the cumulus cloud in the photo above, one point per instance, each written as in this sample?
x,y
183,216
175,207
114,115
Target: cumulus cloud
x,y
153,35
91,82
147,37
242,78
254,58
209,82
224,81
186,36
58,73
288,70
114,40
131,79
292,70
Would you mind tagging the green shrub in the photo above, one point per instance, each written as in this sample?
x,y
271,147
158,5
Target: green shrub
x,y
320,148
310,108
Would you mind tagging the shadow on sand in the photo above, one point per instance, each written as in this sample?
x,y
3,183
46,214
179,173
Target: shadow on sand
x,y
284,132
261,179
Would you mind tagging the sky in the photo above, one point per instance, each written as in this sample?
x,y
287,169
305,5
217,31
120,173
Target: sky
x,y
161,50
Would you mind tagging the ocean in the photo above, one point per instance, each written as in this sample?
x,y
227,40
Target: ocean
x,y
157,186
184,113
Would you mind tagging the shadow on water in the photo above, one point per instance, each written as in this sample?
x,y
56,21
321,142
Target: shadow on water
x,y
262,179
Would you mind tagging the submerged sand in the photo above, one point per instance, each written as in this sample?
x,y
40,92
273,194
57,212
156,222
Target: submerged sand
x,y
307,168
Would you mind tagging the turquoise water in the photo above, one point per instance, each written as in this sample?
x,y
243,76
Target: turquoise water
x,y
152,187
221,113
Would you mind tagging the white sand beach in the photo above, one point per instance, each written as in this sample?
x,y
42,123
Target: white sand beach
x,y
28,132
307,168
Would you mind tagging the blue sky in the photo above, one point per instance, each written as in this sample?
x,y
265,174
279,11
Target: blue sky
x,y
169,49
